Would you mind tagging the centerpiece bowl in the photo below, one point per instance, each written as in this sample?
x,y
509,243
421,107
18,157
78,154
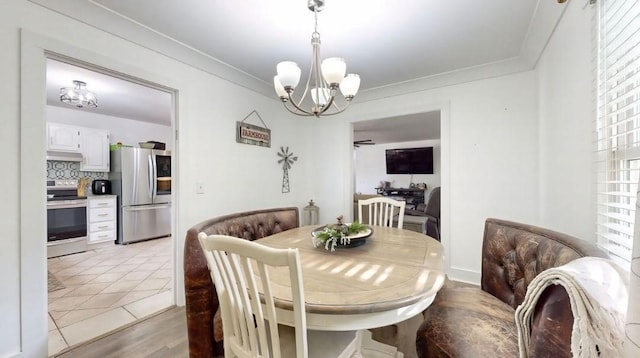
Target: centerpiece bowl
x,y
341,235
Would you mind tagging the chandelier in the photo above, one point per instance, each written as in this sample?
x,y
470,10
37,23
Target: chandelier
x,y
78,96
325,79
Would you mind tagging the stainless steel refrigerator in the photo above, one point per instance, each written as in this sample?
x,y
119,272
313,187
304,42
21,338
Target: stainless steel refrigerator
x,y
141,178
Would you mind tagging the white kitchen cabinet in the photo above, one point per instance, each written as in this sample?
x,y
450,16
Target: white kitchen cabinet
x,y
102,225
91,143
62,137
95,150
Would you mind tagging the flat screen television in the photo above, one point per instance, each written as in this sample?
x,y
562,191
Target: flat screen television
x,y
410,160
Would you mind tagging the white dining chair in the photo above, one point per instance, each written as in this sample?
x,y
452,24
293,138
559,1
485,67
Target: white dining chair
x,y
240,271
381,211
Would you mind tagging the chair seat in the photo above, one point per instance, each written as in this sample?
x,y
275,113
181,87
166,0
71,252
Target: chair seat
x,y
414,212
321,344
479,310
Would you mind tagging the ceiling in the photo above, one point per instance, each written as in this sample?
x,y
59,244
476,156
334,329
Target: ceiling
x,y
116,97
392,47
410,128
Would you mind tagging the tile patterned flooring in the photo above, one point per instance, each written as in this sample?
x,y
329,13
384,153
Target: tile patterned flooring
x,y
107,288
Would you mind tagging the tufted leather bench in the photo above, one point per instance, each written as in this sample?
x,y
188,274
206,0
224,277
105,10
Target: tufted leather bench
x,y
200,294
480,322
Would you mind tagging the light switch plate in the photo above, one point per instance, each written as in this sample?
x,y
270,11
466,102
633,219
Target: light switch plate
x,y
199,187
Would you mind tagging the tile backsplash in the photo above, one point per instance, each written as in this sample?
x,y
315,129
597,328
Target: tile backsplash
x,y
70,170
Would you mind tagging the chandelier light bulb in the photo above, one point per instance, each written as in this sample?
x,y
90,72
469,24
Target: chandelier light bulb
x,y
350,86
320,96
288,74
333,70
280,91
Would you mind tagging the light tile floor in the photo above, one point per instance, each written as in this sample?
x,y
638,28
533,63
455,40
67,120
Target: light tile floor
x,y
107,288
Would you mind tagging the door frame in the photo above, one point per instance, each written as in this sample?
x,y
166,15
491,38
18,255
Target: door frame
x,y
387,112
34,50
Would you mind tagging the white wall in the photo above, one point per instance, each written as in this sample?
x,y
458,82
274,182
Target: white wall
x,y
125,130
489,158
236,176
371,167
565,82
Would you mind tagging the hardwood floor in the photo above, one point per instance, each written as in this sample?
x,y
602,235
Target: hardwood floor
x,y
164,335
159,336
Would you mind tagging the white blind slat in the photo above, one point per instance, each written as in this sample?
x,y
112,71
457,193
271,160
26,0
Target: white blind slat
x,y
616,137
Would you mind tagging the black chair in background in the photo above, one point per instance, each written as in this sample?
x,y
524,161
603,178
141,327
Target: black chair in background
x,y
432,226
430,210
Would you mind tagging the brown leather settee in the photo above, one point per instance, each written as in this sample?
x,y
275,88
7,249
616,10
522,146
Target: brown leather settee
x,y
200,294
480,322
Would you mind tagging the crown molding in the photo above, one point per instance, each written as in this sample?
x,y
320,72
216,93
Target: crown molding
x,y
541,28
94,15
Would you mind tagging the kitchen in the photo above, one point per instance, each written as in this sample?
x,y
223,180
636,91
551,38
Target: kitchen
x,y
109,200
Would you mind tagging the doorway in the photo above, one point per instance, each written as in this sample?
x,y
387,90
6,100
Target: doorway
x,y
108,285
371,139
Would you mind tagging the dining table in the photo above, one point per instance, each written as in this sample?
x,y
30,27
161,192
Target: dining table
x,y
386,277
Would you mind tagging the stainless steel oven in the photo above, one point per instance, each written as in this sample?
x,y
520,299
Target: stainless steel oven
x,y
66,219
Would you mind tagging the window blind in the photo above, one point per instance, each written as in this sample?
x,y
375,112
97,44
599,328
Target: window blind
x,y
617,125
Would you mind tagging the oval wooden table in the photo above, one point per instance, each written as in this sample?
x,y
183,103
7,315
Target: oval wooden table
x,y
392,277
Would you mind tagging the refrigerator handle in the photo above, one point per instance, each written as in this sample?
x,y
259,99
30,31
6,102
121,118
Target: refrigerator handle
x,y
152,175
147,207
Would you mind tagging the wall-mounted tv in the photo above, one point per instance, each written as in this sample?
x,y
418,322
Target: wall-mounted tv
x,y
410,160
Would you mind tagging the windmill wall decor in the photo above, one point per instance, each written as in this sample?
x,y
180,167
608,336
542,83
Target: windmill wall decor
x,y
287,160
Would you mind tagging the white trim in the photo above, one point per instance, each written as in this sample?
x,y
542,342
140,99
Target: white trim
x,y
394,110
33,262
541,27
114,24
464,275
33,256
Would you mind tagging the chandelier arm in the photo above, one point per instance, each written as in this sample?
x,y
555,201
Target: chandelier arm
x,y
297,106
338,108
296,112
328,105
306,87
339,111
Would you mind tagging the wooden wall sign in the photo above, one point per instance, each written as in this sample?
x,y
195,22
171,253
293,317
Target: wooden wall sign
x,y
252,134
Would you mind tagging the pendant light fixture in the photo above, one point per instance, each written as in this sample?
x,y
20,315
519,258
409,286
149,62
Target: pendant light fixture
x,y
78,95
323,82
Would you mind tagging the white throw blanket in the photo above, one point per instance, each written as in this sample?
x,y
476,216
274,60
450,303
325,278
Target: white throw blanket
x,y
597,290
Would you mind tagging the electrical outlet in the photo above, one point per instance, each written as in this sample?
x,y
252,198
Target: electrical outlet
x,y
199,187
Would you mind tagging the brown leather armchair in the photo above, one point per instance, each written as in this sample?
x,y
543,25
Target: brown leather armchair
x,y
480,322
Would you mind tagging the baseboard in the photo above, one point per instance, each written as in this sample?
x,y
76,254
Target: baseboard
x,y
464,275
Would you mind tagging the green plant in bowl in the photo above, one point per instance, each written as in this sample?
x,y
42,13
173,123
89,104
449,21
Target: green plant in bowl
x,y
337,234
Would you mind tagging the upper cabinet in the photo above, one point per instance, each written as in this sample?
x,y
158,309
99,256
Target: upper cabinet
x,y
62,137
95,150
92,143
